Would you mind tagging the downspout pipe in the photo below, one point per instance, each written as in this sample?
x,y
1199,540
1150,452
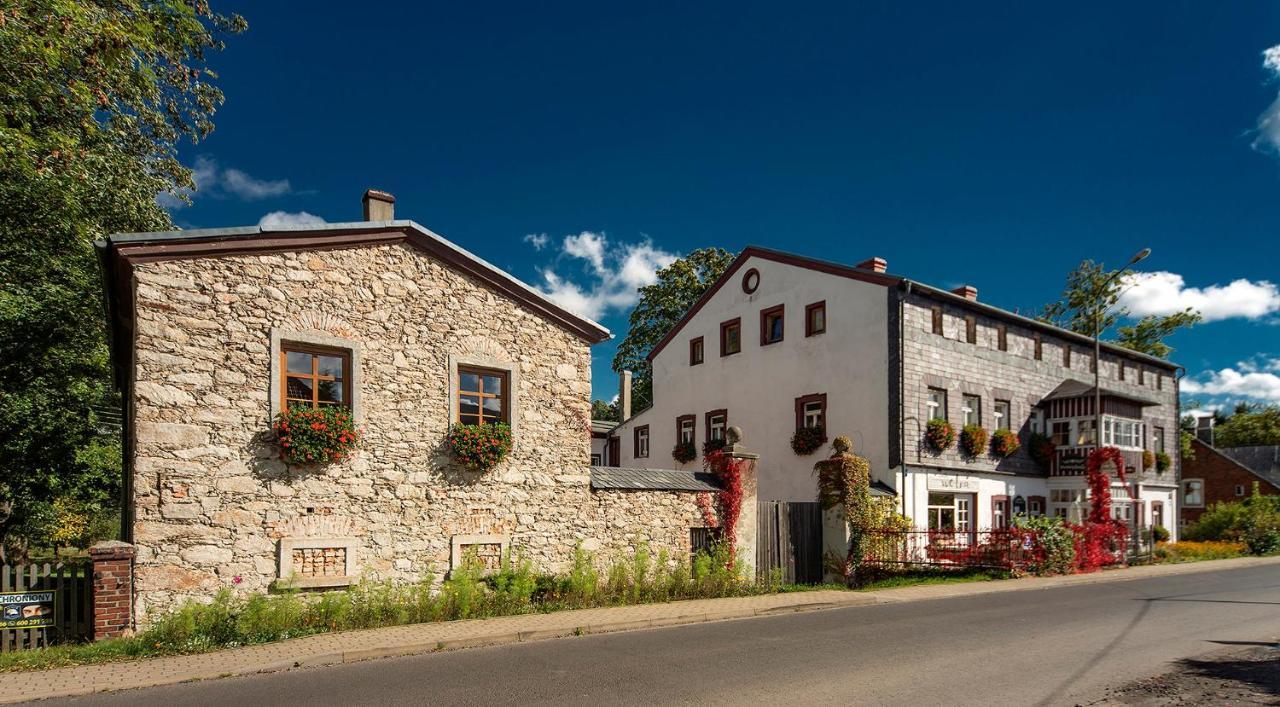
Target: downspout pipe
x,y
904,289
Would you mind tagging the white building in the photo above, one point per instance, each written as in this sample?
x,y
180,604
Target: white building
x,y
783,341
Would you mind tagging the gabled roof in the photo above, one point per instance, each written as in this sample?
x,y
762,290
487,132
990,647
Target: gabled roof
x,y
1263,461
886,279
119,252
612,477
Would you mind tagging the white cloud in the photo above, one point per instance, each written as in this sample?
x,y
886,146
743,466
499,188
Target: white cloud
x,y
1166,293
212,180
537,240
250,189
1268,137
286,219
1254,380
613,276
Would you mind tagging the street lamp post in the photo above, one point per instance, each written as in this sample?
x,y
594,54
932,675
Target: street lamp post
x,y
1099,310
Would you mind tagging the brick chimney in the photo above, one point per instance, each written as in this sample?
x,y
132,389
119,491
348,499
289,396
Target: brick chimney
x,y
379,206
968,292
873,264
624,396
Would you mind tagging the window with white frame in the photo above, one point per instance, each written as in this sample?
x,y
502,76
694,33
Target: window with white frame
x,y
1239,489
1003,418
1193,493
715,425
1119,432
813,413
1157,439
951,511
686,430
641,442
1071,504
937,404
1085,432
971,407
1037,421
1061,433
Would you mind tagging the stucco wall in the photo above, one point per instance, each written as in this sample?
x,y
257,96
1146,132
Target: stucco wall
x,y
758,386
212,501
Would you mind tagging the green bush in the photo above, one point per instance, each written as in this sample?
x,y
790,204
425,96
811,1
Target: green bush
x,y
1159,534
1056,543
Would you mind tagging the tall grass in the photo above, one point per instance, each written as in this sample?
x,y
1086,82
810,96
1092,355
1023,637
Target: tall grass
x,y
231,620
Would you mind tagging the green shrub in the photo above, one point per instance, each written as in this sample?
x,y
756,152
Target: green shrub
x,y
1220,521
1055,543
1159,534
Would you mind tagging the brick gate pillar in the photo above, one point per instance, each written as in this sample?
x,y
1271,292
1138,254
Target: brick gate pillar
x,y
747,529
112,589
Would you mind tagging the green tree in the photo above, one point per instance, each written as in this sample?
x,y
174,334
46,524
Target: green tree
x,y
661,306
1087,288
1248,426
97,95
606,412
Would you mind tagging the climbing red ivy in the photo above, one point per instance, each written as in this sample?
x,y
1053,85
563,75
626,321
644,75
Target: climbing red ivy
x,y
1101,539
729,500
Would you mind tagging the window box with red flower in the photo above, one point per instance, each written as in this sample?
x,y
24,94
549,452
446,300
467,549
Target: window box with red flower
x,y
315,435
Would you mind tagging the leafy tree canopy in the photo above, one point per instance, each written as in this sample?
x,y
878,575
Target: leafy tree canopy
x,y
97,94
1249,425
661,306
1090,286
605,412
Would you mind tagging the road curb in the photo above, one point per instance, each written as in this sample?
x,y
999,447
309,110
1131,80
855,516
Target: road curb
x,y
507,637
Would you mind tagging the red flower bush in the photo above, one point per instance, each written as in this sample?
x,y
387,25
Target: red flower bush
x,y
973,441
939,435
808,440
1004,443
315,435
684,452
729,503
480,447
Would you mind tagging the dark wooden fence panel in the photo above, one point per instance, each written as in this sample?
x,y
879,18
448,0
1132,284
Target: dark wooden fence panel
x,y
789,538
73,603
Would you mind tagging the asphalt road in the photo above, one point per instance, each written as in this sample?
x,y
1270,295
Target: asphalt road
x,y
1047,647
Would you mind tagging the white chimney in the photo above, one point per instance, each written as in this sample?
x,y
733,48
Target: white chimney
x,y
624,396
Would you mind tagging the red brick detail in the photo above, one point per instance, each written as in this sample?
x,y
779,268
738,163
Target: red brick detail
x,y
1221,474
112,589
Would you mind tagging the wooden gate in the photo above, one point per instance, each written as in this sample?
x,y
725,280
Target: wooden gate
x,y
72,584
789,538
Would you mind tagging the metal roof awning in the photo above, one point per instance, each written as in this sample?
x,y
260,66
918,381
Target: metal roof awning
x,y
1079,389
883,490
617,478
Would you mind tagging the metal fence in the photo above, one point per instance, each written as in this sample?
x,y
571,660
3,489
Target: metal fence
x,y
72,604
950,549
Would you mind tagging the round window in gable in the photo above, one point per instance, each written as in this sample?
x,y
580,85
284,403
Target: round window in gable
x,y
751,281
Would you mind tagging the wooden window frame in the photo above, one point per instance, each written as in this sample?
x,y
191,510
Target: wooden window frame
x,y
935,313
504,396
695,344
1008,511
693,433
1002,337
971,329
287,347
724,327
1044,507
1066,355
809,309
635,442
765,314
713,413
810,398
1039,351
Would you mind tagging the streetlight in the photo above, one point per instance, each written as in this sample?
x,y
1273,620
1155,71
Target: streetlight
x,y
1097,346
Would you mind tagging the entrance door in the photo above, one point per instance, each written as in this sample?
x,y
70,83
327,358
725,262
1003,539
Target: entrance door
x,y
1157,514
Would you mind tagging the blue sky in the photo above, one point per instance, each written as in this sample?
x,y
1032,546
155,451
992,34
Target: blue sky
x,y
996,144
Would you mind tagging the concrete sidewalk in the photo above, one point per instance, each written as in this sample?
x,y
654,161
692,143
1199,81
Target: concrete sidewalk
x,y
352,646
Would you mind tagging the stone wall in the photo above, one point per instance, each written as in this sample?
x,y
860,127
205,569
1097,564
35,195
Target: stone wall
x,y
948,361
212,502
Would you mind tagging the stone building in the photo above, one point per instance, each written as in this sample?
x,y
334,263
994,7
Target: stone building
x,y
216,331
782,342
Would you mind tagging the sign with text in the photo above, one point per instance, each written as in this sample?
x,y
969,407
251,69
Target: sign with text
x,y
951,482
27,609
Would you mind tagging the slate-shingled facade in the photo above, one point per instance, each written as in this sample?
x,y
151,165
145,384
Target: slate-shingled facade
x,y
874,356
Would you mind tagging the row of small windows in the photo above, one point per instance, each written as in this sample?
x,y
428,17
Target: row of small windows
x,y
811,411
1119,432
1124,372
772,330
317,377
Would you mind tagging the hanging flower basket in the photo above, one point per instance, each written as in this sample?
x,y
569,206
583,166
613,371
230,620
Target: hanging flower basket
x,y
940,435
1004,443
973,441
808,440
480,447
315,435
684,452
1163,462
1042,450
1148,459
